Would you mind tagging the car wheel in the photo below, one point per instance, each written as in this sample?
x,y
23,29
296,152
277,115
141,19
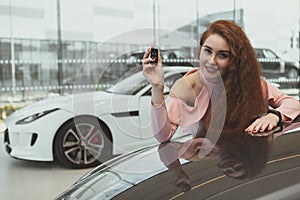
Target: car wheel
x,y
292,73
82,142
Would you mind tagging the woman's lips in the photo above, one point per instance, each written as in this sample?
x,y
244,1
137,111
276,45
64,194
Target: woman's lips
x,y
211,69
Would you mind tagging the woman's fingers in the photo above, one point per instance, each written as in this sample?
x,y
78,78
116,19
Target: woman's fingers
x,y
159,62
257,126
253,128
261,126
147,53
153,71
147,59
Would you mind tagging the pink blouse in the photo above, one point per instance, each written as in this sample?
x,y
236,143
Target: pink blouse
x,y
174,112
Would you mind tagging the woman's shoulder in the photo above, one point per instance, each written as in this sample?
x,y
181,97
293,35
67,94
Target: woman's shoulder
x,y
192,71
187,87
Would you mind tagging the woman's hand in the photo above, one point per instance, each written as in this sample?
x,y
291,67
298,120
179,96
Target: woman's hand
x,y
153,72
155,75
262,124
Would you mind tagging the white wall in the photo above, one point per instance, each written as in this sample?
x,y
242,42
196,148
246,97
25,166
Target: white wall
x,y
270,23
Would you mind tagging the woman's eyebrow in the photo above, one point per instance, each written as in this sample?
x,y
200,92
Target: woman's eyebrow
x,y
222,51
207,47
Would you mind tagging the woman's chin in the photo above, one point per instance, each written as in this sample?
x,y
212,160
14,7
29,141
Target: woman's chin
x,y
212,75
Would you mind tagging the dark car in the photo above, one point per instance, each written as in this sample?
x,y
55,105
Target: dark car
x,y
273,66
238,166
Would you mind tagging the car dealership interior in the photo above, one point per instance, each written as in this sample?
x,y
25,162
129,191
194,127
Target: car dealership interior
x,y
63,58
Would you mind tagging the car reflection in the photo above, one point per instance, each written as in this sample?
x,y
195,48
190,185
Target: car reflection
x,y
239,156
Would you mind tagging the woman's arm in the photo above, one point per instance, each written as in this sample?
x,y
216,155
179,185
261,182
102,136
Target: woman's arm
x,y
162,129
166,117
288,106
288,109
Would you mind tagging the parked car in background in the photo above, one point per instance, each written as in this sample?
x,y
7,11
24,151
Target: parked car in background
x,y
240,167
170,57
273,66
82,130
113,68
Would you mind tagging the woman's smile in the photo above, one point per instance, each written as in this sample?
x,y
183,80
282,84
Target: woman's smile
x,y
211,68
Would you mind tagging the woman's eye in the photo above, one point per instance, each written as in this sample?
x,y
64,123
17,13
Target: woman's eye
x,y
223,55
229,171
208,51
239,167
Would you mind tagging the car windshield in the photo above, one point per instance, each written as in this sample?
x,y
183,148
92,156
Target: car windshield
x,y
129,85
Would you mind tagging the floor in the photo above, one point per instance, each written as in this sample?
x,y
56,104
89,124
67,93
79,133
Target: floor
x,y
26,180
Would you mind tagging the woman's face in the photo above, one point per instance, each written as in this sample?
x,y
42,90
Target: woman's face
x,y
214,55
231,167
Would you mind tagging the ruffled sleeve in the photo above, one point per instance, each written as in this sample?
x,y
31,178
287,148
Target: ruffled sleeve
x,y
162,128
174,112
286,105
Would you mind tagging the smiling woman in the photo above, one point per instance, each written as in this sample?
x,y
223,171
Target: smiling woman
x,y
62,49
226,92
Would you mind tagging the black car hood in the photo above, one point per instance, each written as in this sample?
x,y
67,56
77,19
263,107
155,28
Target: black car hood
x,y
272,168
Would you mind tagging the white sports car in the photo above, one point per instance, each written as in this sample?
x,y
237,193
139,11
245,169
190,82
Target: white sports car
x,y
85,129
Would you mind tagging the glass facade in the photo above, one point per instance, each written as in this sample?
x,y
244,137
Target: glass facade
x,y
45,48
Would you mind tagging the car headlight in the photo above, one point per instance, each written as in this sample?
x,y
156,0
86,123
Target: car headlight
x,y
35,116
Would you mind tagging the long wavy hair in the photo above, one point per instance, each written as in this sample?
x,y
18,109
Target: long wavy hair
x,y
251,153
242,76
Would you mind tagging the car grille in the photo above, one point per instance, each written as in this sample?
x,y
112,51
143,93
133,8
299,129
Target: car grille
x,y
6,137
6,141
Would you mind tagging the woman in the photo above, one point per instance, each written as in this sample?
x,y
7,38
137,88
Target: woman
x,y
240,99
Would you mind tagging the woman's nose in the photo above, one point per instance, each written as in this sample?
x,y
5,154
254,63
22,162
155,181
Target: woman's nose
x,y
212,59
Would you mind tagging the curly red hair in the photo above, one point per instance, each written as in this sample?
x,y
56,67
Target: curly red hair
x,y
242,77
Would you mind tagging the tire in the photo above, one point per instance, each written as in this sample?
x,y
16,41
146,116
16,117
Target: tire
x,y
82,143
292,73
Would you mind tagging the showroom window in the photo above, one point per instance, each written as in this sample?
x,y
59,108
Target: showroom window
x,y
45,46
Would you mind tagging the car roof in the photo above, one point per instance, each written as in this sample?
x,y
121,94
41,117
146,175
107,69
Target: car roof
x,y
177,68
143,174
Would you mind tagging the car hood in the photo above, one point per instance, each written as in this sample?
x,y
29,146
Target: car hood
x,y
144,173
83,103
